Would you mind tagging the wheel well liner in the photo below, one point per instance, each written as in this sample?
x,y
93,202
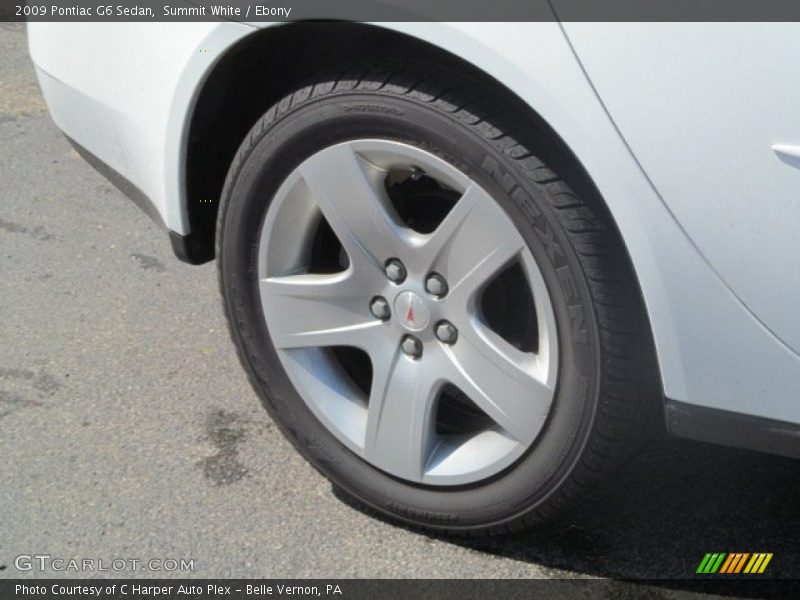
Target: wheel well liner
x,y
265,66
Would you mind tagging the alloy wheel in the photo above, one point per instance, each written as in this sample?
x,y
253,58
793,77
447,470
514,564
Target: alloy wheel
x,y
408,312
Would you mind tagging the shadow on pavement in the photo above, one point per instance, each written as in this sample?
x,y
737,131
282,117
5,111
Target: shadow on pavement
x,y
662,512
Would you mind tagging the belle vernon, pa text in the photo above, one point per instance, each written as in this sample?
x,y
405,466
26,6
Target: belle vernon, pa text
x,y
157,591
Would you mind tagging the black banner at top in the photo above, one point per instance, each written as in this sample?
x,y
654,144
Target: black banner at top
x,y
400,10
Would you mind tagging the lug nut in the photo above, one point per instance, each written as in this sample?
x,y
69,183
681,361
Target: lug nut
x,y
436,285
446,332
411,346
379,308
395,270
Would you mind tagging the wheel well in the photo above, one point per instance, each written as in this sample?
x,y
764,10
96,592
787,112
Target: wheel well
x,y
266,66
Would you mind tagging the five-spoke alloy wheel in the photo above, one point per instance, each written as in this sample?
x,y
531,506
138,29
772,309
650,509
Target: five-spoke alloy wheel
x,y
428,310
412,302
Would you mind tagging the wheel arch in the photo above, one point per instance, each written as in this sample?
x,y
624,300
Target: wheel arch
x,y
261,68
559,106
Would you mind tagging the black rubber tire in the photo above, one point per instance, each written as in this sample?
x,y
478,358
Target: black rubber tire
x,y
606,384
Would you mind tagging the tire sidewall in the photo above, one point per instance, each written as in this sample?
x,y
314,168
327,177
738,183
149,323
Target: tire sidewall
x,y
266,160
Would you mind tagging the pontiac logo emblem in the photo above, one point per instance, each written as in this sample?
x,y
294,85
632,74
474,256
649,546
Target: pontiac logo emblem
x,y
415,309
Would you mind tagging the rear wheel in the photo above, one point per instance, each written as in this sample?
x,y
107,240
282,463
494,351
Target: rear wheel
x,y
433,317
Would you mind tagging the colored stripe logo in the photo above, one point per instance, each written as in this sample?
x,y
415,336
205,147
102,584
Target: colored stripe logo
x,y
734,563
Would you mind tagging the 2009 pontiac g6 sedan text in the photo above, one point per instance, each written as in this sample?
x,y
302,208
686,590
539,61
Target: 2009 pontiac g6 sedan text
x,y
469,267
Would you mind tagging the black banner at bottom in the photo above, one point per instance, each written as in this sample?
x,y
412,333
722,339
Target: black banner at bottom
x,y
388,589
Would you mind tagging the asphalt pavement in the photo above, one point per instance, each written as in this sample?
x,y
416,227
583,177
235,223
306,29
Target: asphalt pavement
x,y
128,429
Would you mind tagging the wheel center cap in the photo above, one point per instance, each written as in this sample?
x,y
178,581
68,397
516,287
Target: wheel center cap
x,y
412,311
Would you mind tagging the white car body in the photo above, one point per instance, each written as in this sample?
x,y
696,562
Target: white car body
x,y
690,132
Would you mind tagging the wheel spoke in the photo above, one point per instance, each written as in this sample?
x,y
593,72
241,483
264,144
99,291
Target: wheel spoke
x,y
350,194
318,310
500,380
474,242
400,425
